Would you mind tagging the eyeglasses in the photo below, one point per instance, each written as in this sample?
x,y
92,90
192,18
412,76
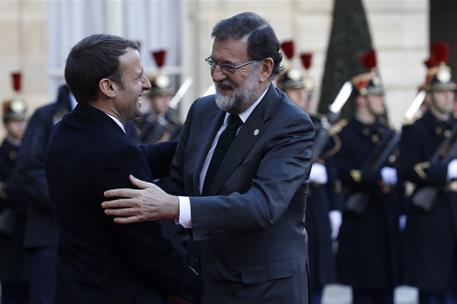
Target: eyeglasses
x,y
226,68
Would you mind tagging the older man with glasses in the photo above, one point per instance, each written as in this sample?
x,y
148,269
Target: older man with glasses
x,y
239,175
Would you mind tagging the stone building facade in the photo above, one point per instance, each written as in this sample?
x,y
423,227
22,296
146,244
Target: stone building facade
x,y
399,31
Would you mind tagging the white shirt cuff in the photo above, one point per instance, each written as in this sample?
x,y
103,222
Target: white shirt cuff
x,y
185,218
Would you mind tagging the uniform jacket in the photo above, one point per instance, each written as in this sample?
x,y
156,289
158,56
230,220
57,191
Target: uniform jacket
x,y
152,129
11,202
430,236
30,175
368,243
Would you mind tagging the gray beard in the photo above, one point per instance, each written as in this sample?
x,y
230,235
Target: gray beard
x,y
230,103
241,97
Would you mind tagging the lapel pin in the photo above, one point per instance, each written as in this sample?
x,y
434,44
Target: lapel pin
x,y
256,132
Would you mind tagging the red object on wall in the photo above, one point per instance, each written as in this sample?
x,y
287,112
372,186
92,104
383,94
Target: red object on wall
x,y
16,78
159,57
440,50
368,60
288,48
306,59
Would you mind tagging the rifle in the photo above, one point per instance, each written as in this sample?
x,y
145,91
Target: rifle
x,y
425,197
358,201
174,102
330,118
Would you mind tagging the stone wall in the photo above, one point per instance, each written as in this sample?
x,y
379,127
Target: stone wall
x,y
23,47
399,30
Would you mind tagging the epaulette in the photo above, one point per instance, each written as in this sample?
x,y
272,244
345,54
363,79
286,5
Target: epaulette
x,y
318,116
335,149
420,169
334,130
337,127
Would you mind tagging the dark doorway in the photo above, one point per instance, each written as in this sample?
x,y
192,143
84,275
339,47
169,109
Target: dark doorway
x,y
349,38
443,27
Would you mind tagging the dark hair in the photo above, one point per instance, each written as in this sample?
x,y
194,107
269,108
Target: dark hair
x,y
92,59
262,40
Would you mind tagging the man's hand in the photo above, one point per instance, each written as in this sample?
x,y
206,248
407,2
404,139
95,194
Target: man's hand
x,y
148,203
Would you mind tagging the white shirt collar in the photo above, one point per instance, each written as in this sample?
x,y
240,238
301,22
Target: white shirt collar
x,y
117,121
246,113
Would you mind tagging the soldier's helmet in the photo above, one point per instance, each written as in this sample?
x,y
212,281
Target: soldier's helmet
x,y
295,77
439,76
14,108
369,82
160,86
160,83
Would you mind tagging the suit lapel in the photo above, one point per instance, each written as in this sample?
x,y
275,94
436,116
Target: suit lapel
x,y
249,134
207,130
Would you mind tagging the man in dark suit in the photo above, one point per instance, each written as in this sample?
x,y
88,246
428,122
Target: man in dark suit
x,y
89,152
242,163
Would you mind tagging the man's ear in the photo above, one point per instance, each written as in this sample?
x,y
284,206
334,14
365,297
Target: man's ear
x,y
266,69
107,87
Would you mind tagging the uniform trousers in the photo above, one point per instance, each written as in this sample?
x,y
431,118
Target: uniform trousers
x,y
448,297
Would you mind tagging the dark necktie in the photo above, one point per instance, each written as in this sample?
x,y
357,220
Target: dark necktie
x,y
223,144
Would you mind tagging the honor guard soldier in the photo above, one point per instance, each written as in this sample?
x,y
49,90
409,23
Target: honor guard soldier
x,y
161,123
299,87
12,213
367,258
41,233
428,159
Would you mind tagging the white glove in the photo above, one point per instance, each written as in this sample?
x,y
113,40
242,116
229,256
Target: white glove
x,y
318,174
451,169
335,223
402,222
389,176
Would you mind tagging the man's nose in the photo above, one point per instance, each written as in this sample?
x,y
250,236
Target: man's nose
x,y
217,74
146,83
